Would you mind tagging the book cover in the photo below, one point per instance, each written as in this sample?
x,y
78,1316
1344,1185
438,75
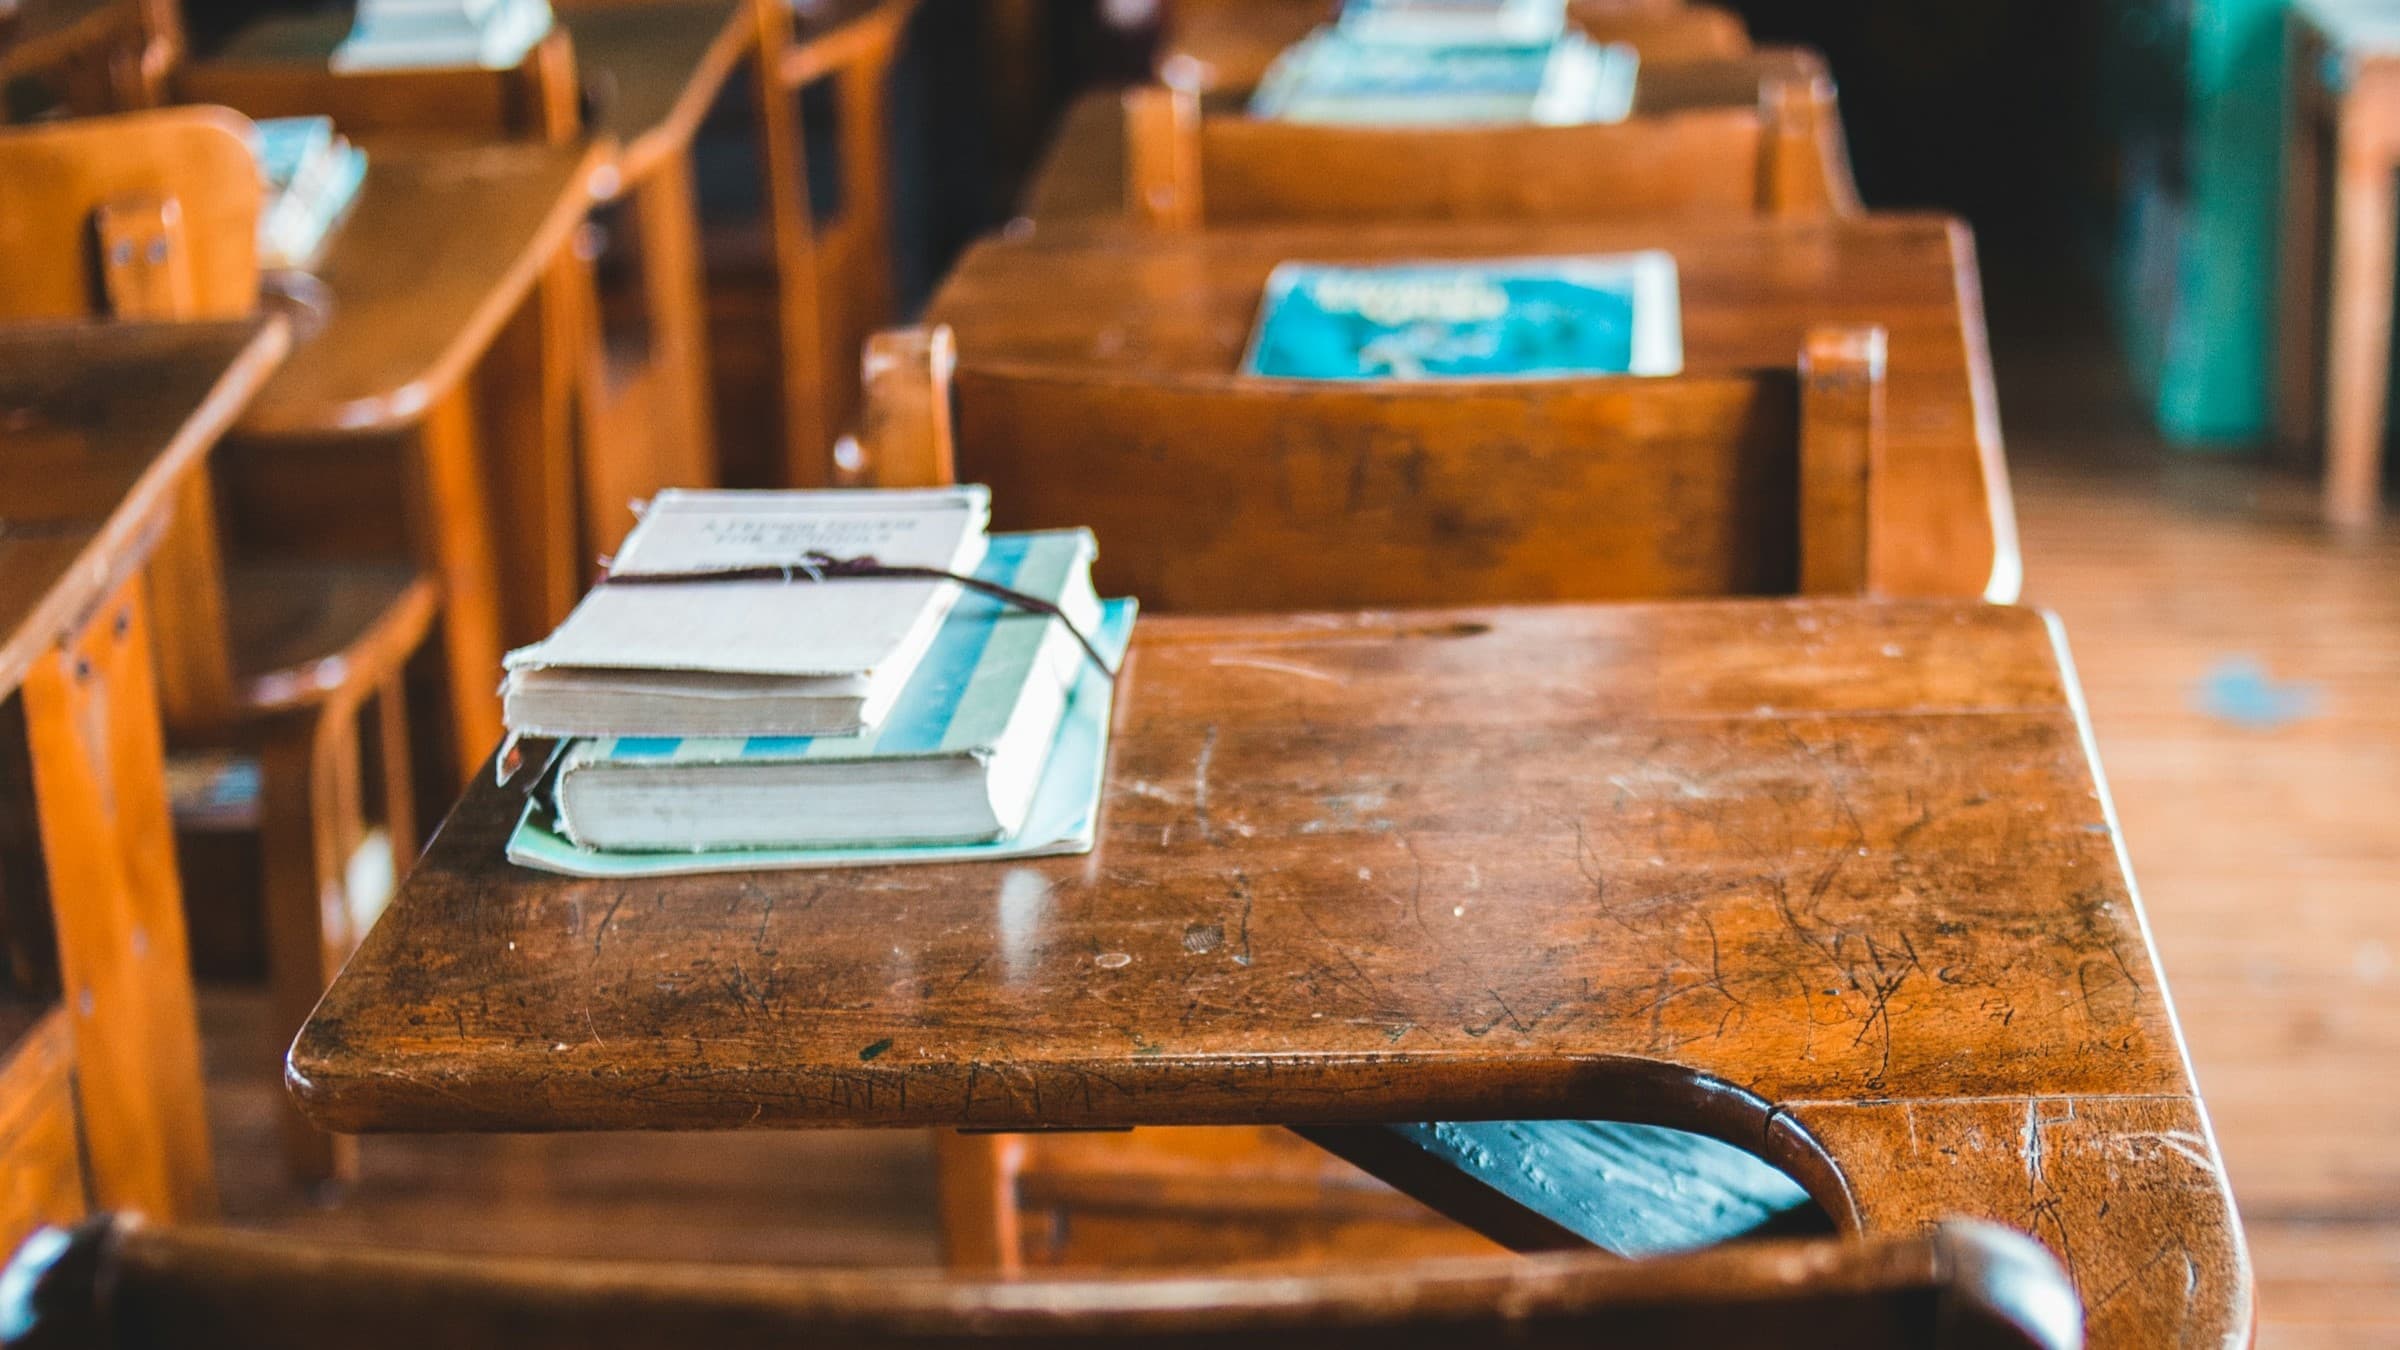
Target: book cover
x,y
773,627
286,145
493,34
312,178
1616,314
1453,21
1331,78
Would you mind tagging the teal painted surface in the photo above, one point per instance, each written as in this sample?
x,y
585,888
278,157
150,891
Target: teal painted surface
x,y
2195,273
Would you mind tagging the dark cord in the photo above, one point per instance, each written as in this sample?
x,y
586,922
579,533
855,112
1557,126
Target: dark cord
x,y
817,566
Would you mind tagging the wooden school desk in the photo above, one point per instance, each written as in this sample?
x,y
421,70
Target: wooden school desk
x,y
100,1093
1835,881
1118,301
1088,171
417,287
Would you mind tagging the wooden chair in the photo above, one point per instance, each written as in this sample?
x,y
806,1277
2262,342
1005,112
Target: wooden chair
x,y
1240,493
152,215
100,1083
1779,153
115,1284
89,56
529,385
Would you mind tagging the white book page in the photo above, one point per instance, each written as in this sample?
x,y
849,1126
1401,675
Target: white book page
x,y
849,627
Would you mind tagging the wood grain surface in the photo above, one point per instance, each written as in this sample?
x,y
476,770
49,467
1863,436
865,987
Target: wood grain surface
x,y
411,305
1800,875
124,1286
99,423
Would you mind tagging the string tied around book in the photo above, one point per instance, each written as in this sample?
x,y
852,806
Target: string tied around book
x,y
818,566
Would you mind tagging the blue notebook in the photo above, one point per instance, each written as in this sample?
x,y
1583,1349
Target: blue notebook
x,y
1602,315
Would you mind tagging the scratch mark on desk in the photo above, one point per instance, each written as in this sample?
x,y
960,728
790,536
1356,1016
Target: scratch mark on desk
x,y
1208,751
1280,667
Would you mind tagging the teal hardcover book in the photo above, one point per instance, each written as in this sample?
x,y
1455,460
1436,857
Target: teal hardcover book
x,y
958,759
1601,315
1334,78
311,176
1450,21
286,145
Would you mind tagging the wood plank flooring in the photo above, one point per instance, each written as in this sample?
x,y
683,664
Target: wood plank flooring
x,y
2243,673
2243,670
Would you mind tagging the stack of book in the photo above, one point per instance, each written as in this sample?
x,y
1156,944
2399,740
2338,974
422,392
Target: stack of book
x,y
735,695
1449,62
1599,314
428,34
311,175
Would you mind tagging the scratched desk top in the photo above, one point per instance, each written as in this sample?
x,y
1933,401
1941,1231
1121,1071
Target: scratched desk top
x,y
1834,880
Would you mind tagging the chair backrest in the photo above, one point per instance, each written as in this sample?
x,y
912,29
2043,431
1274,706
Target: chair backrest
x,y
106,56
145,215
537,99
1778,154
1234,493
114,1285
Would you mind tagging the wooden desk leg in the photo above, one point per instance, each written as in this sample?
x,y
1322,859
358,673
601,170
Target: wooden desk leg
x,y
525,397
651,427
867,199
800,320
99,783
310,824
452,520
2113,1186
674,285
978,1172
783,176
2358,342
2300,252
1017,69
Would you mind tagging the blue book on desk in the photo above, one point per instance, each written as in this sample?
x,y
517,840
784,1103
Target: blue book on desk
x,y
1452,21
1600,315
1333,78
310,176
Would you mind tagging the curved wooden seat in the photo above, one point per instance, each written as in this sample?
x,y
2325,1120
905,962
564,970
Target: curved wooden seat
x,y
307,633
115,1285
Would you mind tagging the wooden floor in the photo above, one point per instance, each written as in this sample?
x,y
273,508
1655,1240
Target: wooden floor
x,y
2244,677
